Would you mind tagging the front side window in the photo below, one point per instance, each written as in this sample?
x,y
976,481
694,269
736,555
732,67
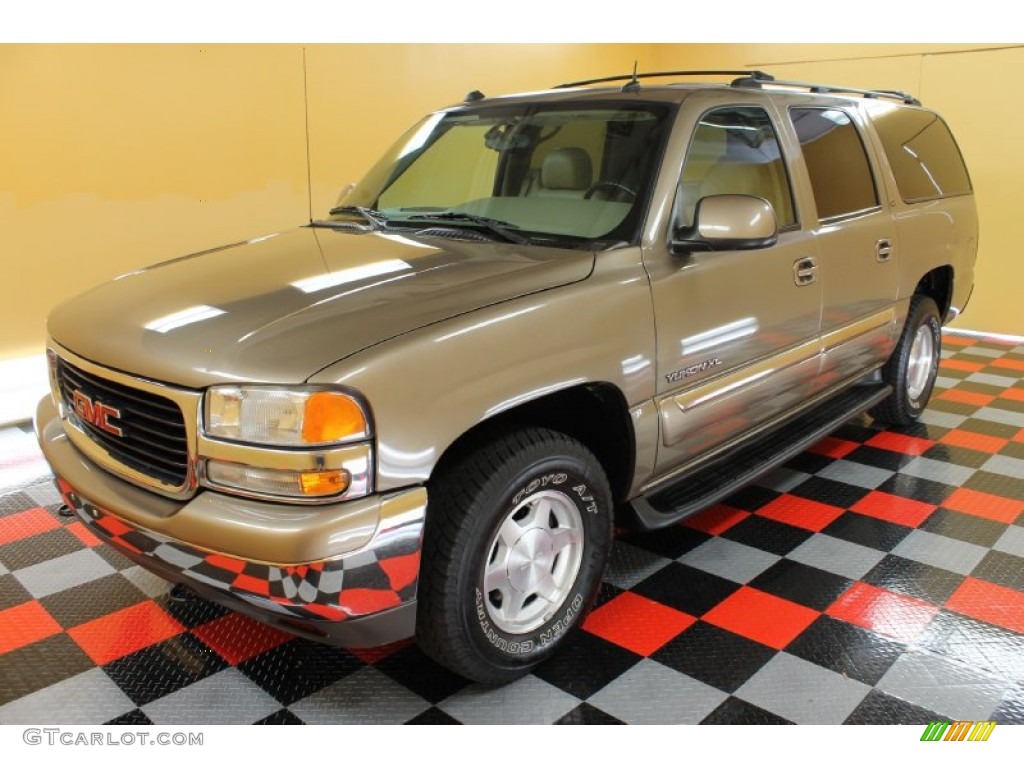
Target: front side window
x,y
836,161
553,173
735,151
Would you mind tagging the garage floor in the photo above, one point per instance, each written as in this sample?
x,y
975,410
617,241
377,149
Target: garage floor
x,y
877,578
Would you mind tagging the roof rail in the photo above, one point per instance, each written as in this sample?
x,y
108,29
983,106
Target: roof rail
x,y
755,80
635,77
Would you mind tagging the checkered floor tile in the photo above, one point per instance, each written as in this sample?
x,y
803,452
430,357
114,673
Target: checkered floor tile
x,y
876,578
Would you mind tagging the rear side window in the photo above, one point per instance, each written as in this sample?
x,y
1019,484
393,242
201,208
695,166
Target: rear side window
x,y
923,154
836,161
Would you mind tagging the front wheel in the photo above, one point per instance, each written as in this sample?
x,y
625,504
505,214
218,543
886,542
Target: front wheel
x,y
517,538
913,366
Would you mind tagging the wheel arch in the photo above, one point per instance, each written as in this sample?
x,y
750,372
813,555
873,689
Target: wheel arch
x,y
938,284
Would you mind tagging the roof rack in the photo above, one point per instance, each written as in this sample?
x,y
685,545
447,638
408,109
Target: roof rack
x,y
748,78
757,79
635,77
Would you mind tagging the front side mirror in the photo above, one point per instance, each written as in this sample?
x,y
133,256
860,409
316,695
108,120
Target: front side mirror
x,y
344,193
729,223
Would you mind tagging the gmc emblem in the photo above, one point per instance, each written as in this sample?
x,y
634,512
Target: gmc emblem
x,y
96,413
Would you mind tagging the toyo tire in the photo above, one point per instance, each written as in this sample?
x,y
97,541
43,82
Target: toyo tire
x,y
516,542
912,368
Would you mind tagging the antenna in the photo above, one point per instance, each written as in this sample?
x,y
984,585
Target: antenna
x,y
634,83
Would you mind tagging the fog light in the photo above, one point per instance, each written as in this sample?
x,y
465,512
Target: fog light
x,y
278,482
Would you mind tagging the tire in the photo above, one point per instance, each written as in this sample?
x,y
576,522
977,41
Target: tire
x,y
515,546
912,368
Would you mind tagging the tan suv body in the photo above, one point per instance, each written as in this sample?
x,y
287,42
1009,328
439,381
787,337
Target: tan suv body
x,y
421,415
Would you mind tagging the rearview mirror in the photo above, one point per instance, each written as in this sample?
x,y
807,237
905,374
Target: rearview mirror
x,y
728,223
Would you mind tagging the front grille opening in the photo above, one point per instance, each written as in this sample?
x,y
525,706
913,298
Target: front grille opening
x,y
153,439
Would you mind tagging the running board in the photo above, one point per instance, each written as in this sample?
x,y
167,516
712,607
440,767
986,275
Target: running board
x,y
709,483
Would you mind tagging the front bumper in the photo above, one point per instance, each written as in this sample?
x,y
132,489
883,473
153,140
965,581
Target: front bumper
x,y
345,574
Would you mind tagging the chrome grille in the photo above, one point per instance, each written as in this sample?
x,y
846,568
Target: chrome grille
x,y
154,439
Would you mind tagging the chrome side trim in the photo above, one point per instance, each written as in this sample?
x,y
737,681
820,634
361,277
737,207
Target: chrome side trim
x,y
860,327
187,400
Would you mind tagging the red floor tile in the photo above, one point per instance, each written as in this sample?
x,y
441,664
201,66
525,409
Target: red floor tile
x,y
894,509
997,605
965,396
21,525
716,520
83,534
1013,393
981,504
1019,437
962,438
961,365
126,631
957,341
238,638
375,655
835,447
884,612
893,441
801,513
1012,363
761,617
25,624
636,623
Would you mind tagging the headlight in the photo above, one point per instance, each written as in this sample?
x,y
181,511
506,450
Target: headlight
x,y
284,417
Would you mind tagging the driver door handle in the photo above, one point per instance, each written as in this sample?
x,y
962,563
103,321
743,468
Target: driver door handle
x,y
805,271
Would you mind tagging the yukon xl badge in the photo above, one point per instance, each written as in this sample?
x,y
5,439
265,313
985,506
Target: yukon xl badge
x,y
683,373
96,413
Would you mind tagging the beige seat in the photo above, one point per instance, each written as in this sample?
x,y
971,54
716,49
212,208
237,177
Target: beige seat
x,y
566,172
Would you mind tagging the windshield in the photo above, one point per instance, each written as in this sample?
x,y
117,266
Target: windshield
x,y
567,173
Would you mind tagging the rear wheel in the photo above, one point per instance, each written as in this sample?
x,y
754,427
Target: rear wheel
x,y
516,543
912,368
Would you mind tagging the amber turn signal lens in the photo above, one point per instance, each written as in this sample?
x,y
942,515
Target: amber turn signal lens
x,y
330,417
324,483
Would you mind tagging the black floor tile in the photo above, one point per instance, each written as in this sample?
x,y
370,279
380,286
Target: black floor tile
x,y
686,589
282,717
917,488
92,600
587,666
1003,569
830,492
969,528
879,457
802,584
135,717
769,535
116,559
851,651
867,531
11,592
162,669
15,502
433,716
588,714
192,611
996,484
735,711
422,675
993,428
808,462
955,454
879,708
298,668
33,667
752,498
25,553
856,431
672,542
981,645
914,579
714,656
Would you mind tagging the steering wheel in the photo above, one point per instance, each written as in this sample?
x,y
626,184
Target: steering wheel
x,y
620,190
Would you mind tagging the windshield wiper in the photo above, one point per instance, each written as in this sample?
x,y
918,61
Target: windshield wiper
x,y
495,226
374,217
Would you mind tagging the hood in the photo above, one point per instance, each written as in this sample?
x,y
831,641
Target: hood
x,y
281,308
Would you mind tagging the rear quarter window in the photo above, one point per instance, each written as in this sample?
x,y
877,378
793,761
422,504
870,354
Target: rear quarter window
x,y
925,159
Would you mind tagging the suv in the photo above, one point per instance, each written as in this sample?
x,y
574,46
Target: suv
x,y
535,315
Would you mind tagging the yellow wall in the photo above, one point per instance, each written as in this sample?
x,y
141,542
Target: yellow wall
x,y
972,86
113,157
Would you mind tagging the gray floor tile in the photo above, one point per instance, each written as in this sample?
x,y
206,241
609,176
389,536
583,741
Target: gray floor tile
x,y
88,698
62,573
150,584
226,698
836,556
729,559
366,697
652,694
629,565
946,353
946,687
940,551
3,570
1000,416
945,382
44,494
783,479
1019,350
854,473
976,350
1005,465
992,380
803,692
939,471
524,702
942,419
1012,541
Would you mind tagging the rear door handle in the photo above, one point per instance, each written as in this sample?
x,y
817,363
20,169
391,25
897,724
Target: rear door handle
x,y
805,271
883,250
